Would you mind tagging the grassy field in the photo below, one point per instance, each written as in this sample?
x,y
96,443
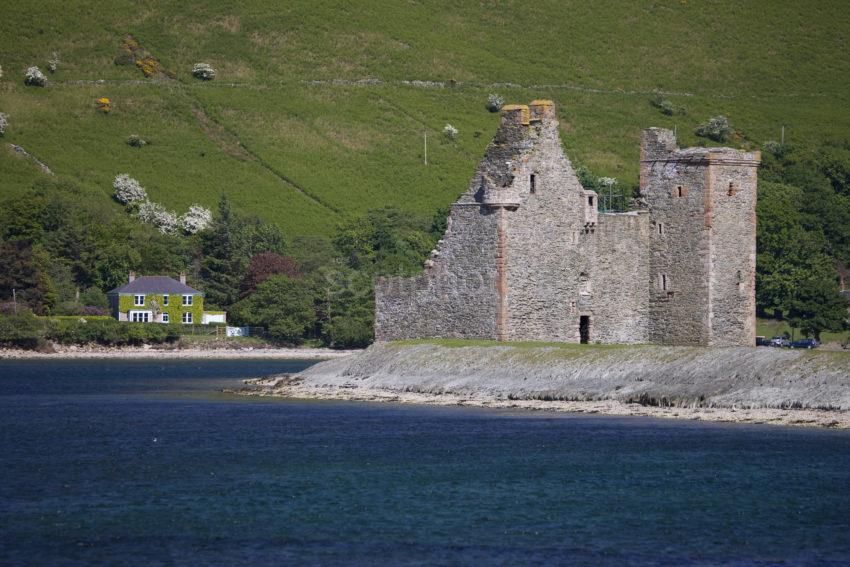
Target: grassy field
x,y
291,135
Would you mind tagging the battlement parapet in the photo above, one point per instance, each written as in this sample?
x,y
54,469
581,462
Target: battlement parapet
x,y
516,114
524,114
659,145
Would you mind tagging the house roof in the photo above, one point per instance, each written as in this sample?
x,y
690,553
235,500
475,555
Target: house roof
x,y
155,284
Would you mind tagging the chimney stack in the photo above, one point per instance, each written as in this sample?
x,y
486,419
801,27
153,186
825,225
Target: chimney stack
x,y
183,278
132,277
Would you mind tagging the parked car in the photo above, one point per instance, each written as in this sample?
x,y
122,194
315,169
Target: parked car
x,y
762,341
780,342
805,343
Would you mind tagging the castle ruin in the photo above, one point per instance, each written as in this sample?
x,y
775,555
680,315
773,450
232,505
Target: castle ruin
x,y
528,255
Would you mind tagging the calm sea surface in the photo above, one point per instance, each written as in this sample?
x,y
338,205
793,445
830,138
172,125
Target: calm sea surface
x,y
127,462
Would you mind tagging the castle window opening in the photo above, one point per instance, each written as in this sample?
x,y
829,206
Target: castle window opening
x,y
590,200
732,189
661,228
533,183
584,282
680,191
664,282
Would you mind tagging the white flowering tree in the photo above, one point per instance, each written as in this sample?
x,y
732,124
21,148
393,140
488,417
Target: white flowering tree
x,y
203,71
450,132
159,216
128,190
196,219
34,77
4,122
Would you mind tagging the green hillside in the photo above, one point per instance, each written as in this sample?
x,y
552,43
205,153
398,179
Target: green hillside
x,y
319,108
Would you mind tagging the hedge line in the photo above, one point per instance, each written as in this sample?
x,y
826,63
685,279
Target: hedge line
x,y
27,331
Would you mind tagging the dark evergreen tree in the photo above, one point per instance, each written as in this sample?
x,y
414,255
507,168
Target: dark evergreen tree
x,y
228,247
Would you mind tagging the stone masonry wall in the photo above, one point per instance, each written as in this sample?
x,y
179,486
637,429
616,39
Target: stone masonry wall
x,y
547,248
701,239
733,251
455,296
620,294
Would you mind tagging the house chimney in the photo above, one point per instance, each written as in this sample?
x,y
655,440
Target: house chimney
x,y
132,277
183,278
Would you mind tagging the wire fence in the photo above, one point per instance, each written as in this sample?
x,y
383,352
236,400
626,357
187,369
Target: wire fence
x,y
223,331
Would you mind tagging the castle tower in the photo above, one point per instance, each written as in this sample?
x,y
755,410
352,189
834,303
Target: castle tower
x,y
703,246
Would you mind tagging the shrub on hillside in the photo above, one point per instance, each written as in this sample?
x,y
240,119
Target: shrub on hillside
x,y
4,123
1,71
157,215
203,71
717,128
34,77
53,63
495,103
135,141
196,219
775,148
128,190
665,106
450,132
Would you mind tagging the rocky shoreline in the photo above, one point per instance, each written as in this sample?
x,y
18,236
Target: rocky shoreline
x,y
747,385
150,352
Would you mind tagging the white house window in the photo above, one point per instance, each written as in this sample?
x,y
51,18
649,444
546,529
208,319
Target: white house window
x,y
165,316
138,300
140,316
187,300
187,317
165,299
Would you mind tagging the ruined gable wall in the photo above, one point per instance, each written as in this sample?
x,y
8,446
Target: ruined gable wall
x,y
546,246
620,294
455,296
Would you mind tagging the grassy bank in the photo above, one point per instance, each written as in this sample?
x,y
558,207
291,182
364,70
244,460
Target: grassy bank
x,y
291,135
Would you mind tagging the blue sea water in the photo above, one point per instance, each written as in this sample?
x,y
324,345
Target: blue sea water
x,y
146,463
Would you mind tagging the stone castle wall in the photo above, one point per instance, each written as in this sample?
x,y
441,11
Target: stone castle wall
x,y
733,270
702,261
547,248
455,296
527,256
620,295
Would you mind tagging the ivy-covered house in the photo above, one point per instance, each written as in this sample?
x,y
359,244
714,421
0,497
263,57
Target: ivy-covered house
x,y
160,299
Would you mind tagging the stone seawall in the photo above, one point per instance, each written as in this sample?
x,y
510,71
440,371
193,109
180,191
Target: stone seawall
x,y
644,376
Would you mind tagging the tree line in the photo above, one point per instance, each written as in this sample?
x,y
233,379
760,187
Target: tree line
x,y
63,250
